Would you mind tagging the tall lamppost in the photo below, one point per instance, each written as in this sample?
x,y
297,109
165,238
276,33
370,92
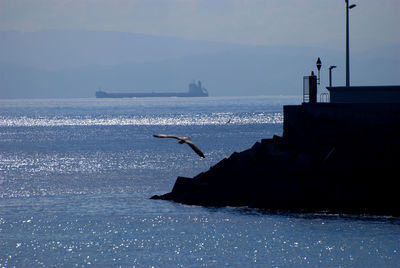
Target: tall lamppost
x,y
347,43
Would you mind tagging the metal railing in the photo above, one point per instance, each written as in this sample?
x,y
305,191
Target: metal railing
x,y
324,97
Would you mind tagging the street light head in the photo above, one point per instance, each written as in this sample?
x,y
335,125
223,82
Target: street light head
x,y
319,64
351,6
332,67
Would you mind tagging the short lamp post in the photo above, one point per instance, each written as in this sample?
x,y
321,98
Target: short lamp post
x,y
347,43
330,74
319,64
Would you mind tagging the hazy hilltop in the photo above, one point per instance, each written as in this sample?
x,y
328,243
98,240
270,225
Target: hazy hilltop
x,y
62,49
55,63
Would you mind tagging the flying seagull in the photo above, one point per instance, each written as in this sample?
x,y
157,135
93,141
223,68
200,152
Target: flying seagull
x,y
182,140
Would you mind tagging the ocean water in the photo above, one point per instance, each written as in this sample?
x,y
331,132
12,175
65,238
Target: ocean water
x,y
76,176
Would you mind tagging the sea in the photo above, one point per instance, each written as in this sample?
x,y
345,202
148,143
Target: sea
x,y
76,176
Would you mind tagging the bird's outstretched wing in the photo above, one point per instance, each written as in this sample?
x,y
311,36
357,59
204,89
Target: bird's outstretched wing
x,y
167,136
194,147
182,140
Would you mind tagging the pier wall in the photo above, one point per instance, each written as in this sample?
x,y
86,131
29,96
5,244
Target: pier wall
x,y
332,158
332,123
365,94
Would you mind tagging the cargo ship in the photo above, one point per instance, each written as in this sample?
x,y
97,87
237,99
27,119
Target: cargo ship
x,y
195,90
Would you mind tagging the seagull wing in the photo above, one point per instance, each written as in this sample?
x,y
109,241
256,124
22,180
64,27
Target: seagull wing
x,y
182,140
194,147
167,136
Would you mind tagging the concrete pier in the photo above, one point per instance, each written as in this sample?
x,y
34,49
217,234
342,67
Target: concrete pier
x,y
331,158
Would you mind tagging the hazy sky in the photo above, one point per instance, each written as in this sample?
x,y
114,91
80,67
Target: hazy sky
x,y
264,22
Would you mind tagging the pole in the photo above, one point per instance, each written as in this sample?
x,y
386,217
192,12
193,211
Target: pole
x,y
330,74
347,45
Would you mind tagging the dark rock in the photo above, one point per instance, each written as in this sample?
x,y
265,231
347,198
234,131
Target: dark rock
x,y
354,174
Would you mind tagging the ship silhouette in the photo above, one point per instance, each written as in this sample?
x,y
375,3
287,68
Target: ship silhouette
x,y
195,90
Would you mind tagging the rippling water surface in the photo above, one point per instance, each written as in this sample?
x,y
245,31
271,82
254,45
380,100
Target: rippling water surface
x,y
76,175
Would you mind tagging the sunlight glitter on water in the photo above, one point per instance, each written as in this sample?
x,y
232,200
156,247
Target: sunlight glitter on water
x,y
76,177
170,120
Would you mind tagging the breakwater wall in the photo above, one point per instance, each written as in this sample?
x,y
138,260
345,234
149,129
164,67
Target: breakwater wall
x,y
334,158
332,123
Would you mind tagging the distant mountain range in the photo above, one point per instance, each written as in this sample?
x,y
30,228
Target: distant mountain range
x,y
51,64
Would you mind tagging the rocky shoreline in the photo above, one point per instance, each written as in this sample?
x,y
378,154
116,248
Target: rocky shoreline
x,y
356,175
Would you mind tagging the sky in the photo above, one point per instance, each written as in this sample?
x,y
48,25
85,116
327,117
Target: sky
x,y
257,22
